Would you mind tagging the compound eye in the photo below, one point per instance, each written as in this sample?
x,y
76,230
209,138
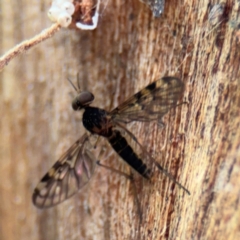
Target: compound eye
x,y
85,98
82,100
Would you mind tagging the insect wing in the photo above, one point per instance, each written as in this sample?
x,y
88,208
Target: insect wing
x,y
151,103
70,173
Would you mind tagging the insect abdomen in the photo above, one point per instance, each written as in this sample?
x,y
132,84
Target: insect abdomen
x,y
124,150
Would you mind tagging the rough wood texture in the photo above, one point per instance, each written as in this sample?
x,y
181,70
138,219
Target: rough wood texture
x,y
200,143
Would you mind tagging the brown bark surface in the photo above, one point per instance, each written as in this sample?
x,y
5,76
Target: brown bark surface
x,y
200,143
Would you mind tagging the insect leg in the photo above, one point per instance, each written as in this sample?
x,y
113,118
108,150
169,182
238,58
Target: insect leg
x,y
169,175
130,177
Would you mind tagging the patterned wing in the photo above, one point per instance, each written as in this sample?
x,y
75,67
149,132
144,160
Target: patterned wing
x,y
71,172
151,103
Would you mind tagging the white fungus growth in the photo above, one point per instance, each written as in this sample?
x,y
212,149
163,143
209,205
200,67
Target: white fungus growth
x,y
59,3
54,13
64,19
68,7
61,12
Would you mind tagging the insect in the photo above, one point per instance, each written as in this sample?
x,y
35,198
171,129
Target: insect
x,y
76,166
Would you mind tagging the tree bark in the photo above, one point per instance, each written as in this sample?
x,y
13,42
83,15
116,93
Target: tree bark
x,y
200,143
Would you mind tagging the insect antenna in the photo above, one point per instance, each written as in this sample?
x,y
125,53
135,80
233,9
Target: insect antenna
x,y
78,81
76,88
70,81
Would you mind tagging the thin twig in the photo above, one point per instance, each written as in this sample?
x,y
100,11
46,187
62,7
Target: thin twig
x,y
25,45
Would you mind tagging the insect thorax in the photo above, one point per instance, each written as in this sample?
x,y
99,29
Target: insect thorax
x,y
95,121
